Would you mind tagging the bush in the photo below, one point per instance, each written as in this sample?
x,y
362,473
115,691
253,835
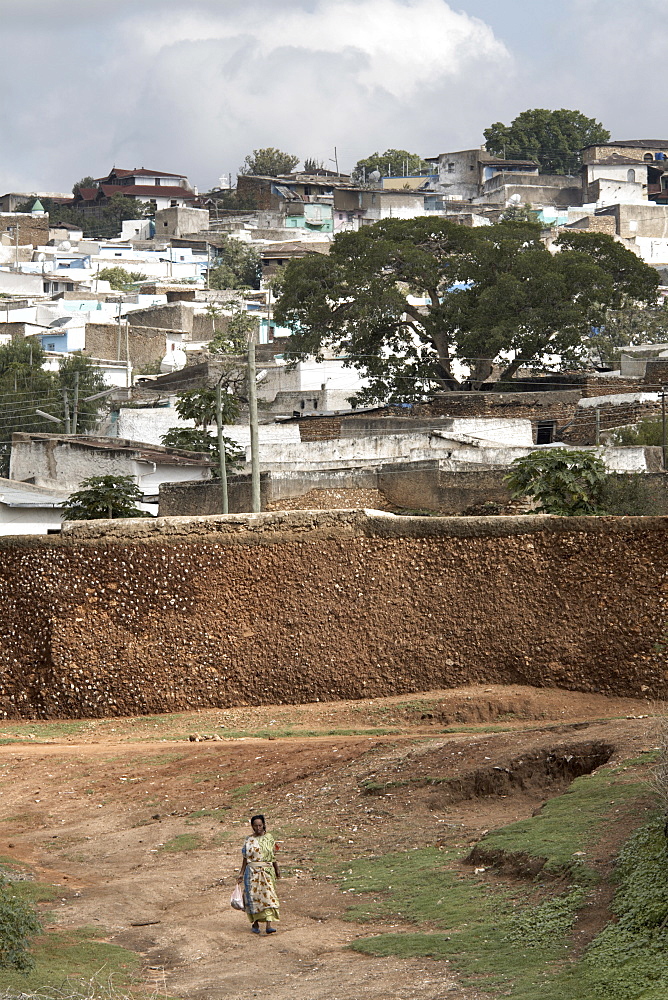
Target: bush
x,y
18,923
562,482
645,432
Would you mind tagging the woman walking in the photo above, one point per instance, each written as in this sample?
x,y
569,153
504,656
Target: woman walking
x,y
258,874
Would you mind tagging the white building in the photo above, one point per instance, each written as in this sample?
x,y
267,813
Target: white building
x,y
29,510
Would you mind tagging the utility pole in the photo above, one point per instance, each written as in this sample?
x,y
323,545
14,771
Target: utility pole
x,y
598,425
128,365
16,246
75,405
254,443
208,264
66,407
664,439
221,449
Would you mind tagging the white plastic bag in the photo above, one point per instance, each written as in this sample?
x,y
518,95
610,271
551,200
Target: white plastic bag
x,y
237,899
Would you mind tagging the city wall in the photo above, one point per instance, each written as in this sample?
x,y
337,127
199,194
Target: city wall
x,y
127,617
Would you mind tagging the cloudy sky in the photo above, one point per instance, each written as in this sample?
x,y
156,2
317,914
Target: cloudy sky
x,y
194,85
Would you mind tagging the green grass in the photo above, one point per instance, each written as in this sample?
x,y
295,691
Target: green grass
x,y
243,790
518,941
568,823
13,731
183,842
78,954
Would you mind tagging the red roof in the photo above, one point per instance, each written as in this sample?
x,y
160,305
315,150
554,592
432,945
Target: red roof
x,y
137,172
146,191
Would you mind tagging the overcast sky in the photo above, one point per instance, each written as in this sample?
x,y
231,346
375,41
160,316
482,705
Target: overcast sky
x,y
193,85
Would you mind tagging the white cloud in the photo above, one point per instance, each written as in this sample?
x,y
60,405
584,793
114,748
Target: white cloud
x,y
196,91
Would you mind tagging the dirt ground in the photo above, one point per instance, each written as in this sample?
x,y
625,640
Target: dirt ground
x,y
142,827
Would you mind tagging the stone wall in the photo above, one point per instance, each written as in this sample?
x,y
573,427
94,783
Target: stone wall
x,y
127,617
33,229
424,486
147,344
201,498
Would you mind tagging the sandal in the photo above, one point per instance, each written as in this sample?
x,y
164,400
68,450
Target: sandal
x,y
255,930
270,929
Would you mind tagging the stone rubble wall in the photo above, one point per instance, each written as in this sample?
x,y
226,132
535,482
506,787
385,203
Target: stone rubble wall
x,y
132,617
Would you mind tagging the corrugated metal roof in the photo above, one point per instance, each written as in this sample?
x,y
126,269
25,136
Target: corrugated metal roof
x,y
14,493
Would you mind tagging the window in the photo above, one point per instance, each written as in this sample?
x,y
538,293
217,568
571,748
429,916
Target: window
x,y
173,203
451,168
50,347
631,176
157,182
545,431
648,157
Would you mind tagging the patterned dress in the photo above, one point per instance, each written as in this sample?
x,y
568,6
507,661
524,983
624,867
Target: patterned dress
x,y
260,895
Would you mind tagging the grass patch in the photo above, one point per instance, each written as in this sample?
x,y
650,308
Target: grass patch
x,y
519,941
42,731
243,790
77,954
568,823
183,842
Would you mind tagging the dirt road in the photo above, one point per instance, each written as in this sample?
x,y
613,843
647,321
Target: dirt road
x,y
142,828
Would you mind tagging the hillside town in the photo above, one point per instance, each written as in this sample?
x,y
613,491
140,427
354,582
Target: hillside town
x,y
157,309
333,501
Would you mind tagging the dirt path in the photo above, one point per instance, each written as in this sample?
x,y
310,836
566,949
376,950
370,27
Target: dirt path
x,y
144,834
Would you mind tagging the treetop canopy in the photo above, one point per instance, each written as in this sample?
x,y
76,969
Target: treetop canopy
x,y
414,304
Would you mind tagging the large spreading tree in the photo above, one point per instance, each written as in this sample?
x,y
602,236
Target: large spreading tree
x,y
412,304
553,139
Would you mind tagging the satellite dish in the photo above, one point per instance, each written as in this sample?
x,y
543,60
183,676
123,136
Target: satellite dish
x,y
41,257
515,199
374,176
65,245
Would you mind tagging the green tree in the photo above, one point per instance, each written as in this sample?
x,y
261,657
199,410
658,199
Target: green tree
x,y
269,162
190,439
393,162
632,325
89,382
553,139
199,405
234,338
120,279
85,182
238,265
560,481
18,924
492,294
104,497
25,388
104,221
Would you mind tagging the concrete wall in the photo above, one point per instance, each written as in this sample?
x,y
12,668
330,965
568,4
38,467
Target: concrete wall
x,y
64,464
126,617
179,221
